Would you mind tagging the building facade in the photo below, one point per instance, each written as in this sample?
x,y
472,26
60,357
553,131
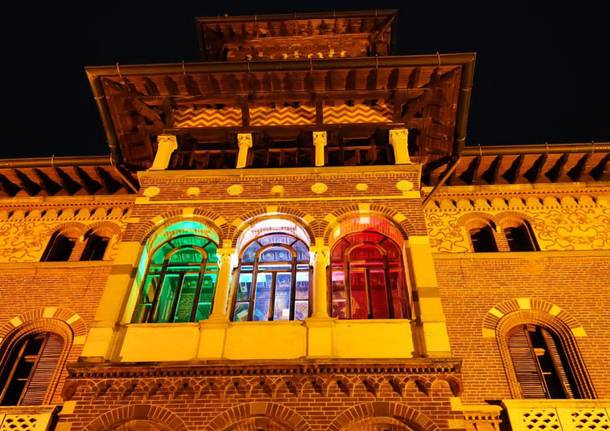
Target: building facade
x,y
291,234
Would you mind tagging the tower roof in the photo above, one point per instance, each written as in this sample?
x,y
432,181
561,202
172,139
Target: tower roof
x,y
297,36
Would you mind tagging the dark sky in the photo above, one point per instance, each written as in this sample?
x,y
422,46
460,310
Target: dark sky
x,y
542,71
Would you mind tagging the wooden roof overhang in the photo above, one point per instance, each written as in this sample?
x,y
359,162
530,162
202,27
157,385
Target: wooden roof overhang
x,y
258,37
61,176
429,94
519,164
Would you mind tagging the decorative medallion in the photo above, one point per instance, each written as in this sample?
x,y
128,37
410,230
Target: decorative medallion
x,y
277,190
193,191
319,188
151,191
404,185
362,187
235,190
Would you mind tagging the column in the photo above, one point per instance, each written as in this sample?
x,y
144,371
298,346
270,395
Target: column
x,y
166,145
320,286
244,142
223,284
428,306
399,139
319,142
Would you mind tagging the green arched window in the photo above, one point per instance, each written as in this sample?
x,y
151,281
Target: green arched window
x,y
178,284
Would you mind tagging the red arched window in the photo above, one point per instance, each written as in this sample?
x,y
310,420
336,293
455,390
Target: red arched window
x,y
368,279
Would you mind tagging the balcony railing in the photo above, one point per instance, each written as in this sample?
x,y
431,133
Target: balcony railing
x,y
26,418
558,415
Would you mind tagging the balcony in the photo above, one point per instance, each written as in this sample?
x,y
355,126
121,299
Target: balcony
x,y
558,415
26,418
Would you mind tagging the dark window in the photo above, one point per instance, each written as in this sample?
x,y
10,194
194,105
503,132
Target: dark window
x,y
483,240
520,238
29,368
59,248
95,247
274,279
540,363
179,281
367,278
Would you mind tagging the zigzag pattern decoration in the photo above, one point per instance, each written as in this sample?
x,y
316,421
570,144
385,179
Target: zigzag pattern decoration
x,y
360,113
207,117
282,116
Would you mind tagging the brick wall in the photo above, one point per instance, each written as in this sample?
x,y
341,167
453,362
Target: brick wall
x,y
470,284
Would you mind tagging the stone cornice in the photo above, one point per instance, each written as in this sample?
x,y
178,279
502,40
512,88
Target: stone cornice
x,y
415,366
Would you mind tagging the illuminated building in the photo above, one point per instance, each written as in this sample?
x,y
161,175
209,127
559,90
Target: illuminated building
x,y
292,235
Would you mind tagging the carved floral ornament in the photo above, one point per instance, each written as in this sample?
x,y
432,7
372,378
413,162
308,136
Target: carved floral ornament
x,y
564,223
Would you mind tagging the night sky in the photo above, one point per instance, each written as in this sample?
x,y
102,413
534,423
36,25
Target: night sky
x,y
542,71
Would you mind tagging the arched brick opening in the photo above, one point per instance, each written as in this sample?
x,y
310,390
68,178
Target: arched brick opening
x,y
242,417
148,417
382,413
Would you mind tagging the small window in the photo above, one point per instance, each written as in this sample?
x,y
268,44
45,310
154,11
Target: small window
x,y
520,238
540,363
483,240
95,248
59,248
27,373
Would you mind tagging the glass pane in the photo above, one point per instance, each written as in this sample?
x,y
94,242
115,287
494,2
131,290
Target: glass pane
x,y
379,296
339,295
276,254
186,255
399,302
275,267
241,312
146,298
262,298
244,286
276,238
302,285
249,254
302,251
166,298
187,298
359,299
301,310
204,307
283,285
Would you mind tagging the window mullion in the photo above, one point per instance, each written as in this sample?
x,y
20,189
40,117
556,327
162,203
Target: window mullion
x,y
198,290
348,287
293,288
253,289
388,287
272,296
155,303
369,294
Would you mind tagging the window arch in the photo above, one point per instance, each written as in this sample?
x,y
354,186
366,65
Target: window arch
x,y
520,237
540,363
60,247
482,239
28,368
274,278
95,246
368,278
180,277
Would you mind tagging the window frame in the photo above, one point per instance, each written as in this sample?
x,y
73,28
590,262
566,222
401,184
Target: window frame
x,y
294,263
345,265
152,315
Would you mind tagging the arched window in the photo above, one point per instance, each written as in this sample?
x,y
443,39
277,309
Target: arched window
x,y
59,248
483,240
520,237
95,248
274,279
367,278
178,284
28,368
540,363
